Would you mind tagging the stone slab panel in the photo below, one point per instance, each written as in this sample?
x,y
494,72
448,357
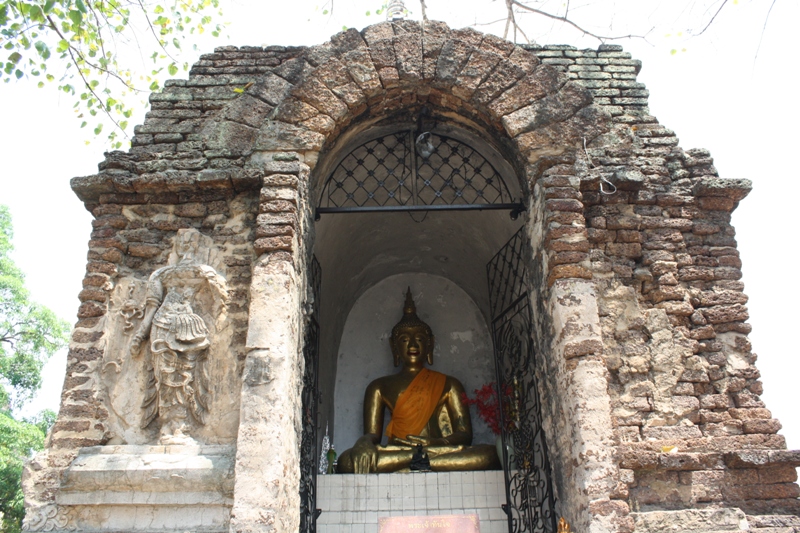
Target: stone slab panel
x,y
694,520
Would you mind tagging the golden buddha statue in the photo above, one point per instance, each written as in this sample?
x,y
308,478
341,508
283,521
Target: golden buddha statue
x,y
426,409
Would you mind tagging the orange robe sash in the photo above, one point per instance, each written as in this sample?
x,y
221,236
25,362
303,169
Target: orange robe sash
x,y
416,404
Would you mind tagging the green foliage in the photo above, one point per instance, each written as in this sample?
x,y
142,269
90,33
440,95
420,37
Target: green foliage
x,y
81,40
29,333
18,441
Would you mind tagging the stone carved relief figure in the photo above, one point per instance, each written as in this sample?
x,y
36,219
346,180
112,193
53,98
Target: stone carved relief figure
x,y
177,390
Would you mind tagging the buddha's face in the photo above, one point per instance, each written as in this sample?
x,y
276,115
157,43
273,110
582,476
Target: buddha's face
x,y
412,345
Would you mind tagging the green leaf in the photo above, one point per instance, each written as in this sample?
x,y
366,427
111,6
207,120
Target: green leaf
x,y
173,69
75,16
98,129
18,73
36,14
63,46
15,57
158,9
43,50
154,85
80,5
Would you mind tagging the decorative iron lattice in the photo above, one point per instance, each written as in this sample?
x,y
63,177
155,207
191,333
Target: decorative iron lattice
x,y
397,173
507,275
529,491
310,400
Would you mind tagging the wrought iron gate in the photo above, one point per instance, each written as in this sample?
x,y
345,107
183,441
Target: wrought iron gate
x,y
529,492
310,398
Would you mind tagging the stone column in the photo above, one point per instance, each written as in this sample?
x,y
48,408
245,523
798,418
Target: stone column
x,y
266,494
579,425
582,381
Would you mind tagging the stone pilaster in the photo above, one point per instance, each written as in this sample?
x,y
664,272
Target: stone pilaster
x,y
266,494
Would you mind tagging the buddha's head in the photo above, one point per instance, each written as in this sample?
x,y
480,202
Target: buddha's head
x,y
411,338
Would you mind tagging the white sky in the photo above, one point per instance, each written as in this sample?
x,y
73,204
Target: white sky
x,y
715,95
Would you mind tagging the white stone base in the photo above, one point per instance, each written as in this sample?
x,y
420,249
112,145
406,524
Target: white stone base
x,y
149,488
353,503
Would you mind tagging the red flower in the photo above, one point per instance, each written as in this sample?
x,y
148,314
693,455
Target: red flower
x,y
487,404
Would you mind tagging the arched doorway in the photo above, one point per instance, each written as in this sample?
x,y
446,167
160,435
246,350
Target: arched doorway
x,y
432,199
338,96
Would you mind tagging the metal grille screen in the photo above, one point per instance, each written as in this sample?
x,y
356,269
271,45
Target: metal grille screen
x,y
393,171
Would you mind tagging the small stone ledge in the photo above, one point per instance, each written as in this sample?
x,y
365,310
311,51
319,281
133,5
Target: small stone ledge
x,y
90,188
733,189
763,522
671,461
762,458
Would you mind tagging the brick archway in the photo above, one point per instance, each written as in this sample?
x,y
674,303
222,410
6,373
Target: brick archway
x,y
305,103
311,105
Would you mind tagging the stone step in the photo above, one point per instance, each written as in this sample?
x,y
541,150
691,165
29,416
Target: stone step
x,y
149,488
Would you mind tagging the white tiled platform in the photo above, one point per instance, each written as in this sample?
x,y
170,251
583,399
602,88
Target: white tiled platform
x,y
353,503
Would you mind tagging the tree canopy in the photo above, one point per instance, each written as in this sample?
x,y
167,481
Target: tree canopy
x,y
29,335
80,44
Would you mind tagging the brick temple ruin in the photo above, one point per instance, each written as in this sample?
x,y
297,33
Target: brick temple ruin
x,y
271,204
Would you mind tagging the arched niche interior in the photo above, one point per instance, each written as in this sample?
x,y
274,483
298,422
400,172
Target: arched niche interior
x,y
358,251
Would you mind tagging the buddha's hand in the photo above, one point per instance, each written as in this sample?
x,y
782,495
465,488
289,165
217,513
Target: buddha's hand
x,y
365,456
419,440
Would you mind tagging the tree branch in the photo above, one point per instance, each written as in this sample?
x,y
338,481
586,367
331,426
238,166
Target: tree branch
x,y
715,16
574,25
82,57
512,20
153,31
86,84
97,21
763,29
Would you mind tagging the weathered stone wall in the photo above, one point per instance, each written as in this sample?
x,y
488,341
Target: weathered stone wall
x,y
657,242
650,394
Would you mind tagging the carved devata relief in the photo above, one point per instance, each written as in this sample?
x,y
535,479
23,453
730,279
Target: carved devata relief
x,y
170,336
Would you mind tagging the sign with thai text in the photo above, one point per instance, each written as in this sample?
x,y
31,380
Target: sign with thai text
x,y
452,523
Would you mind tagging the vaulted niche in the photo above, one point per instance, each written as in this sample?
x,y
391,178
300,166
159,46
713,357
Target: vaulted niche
x,y
393,204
